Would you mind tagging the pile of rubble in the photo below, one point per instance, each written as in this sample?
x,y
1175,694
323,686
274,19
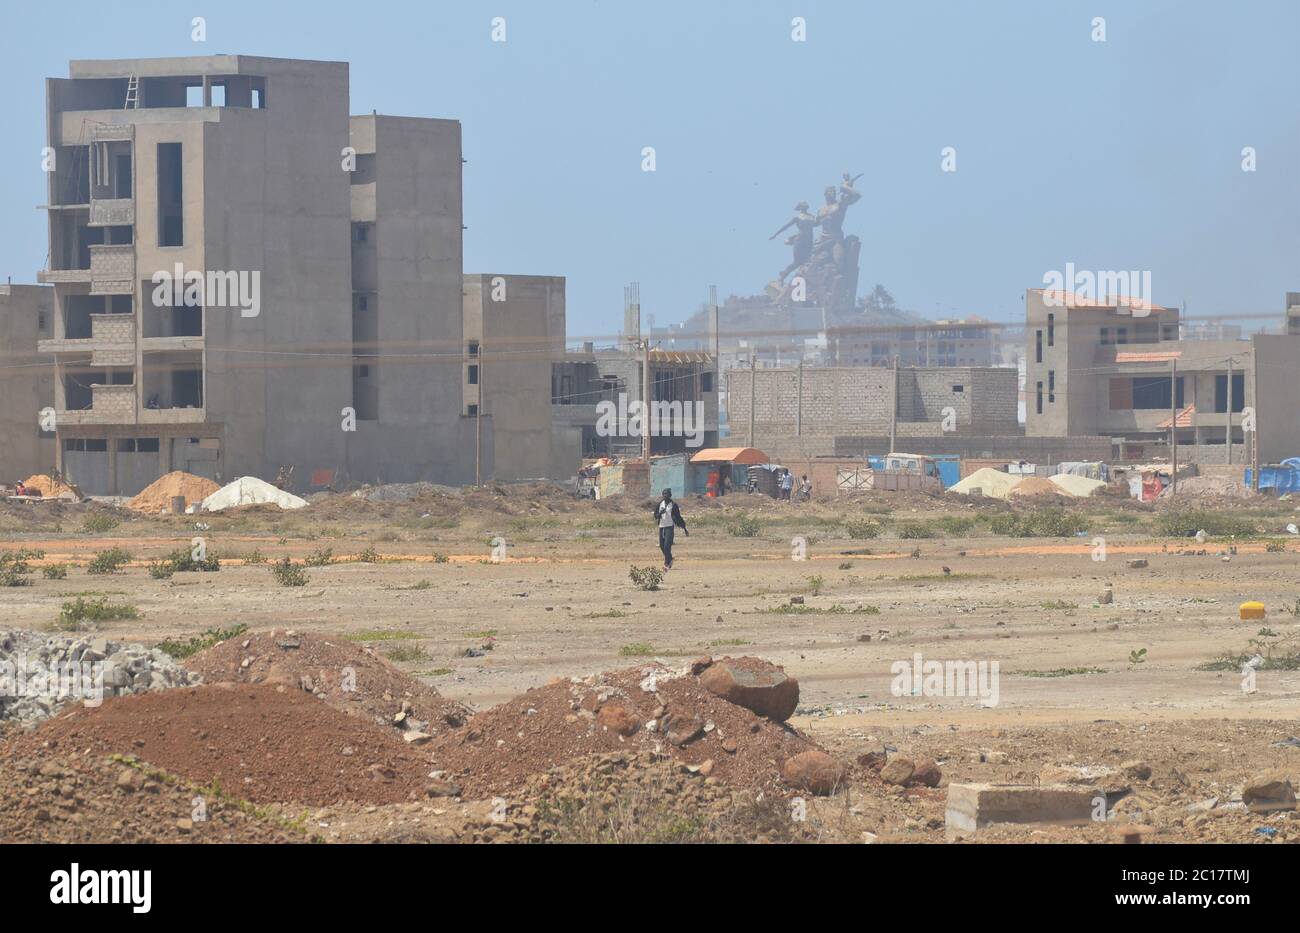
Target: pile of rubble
x,y
60,798
724,720
40,673
350,677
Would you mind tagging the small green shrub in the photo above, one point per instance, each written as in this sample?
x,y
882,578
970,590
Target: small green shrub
x,y
862,528
322,557
160,569
55,571
746,527
110,561
1186,522
287,573
369,556
914,530
957,524
74,615
98,524
184,561
191,646
14,568
646,578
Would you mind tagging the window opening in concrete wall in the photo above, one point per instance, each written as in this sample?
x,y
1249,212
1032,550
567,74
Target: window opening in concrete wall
x,y
171,222
194,95
1238,393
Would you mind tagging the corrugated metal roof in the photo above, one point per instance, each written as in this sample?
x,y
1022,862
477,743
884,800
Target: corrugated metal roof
x,y
741,455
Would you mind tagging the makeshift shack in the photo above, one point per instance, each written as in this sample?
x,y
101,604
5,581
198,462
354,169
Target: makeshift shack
x,y
713,463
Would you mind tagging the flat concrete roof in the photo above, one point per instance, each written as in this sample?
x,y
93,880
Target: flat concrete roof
x,y
186,65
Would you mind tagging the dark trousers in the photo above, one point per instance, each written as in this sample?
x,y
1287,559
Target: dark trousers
x,y
666,544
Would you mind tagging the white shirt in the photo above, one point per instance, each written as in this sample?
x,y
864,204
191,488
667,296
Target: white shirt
x,y
665,510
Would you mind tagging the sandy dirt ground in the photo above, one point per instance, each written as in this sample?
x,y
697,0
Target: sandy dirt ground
x,y
1080,682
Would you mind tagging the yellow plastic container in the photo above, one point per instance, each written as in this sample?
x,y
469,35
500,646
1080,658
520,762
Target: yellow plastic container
x,y
1252,610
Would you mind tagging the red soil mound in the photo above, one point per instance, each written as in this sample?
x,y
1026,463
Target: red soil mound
x,y
260,743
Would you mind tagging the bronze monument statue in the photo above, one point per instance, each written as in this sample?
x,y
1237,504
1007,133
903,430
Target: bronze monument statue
x,y
828,269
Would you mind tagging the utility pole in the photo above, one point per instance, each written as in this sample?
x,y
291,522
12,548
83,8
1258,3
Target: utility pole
x,y
1228,433
717,361
753,370
893,410
478,421
798,412
646,393
1173,426
1254,424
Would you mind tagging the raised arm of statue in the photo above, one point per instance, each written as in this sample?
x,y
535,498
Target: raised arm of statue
x,y
789,223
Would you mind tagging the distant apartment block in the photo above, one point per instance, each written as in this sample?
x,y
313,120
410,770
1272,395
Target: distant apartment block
x,y
250,170
966,342
514,332
1121,371
26,381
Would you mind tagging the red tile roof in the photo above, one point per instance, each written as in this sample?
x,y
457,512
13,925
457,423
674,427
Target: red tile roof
x,y
1184,418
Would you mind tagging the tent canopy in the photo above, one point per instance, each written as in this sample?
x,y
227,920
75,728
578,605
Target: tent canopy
x,y
741,455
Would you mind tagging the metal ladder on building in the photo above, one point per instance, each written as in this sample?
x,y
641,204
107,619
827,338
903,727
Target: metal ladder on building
x,y
132,93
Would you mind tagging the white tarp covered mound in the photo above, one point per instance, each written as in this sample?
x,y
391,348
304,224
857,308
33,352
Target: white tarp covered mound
x,y
992,483
249,490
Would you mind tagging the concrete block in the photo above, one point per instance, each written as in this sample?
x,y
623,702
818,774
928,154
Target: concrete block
x,y
973,806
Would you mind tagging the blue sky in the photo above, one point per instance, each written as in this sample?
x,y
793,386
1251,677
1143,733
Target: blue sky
x,y
1117,155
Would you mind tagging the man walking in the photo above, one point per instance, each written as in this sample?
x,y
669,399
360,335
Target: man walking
x,y
668,515
787,484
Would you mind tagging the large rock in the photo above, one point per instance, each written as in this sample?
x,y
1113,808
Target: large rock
x,y
897,770
616,718
754,684
816,772
1268,792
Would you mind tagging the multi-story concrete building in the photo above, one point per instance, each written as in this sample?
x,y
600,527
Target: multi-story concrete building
x,y
26,381
328,332
514,331
1120,370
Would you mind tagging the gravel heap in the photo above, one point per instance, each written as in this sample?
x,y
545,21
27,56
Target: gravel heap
x,y
127,668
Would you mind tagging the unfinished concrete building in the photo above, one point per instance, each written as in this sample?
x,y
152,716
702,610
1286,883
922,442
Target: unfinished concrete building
x,y
514,331
26,382
1120,370
329,249
590,381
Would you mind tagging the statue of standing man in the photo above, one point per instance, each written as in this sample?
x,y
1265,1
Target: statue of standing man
x,y
831,218
801,239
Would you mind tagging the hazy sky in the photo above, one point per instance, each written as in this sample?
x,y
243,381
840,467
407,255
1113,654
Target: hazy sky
x,y
1123,154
